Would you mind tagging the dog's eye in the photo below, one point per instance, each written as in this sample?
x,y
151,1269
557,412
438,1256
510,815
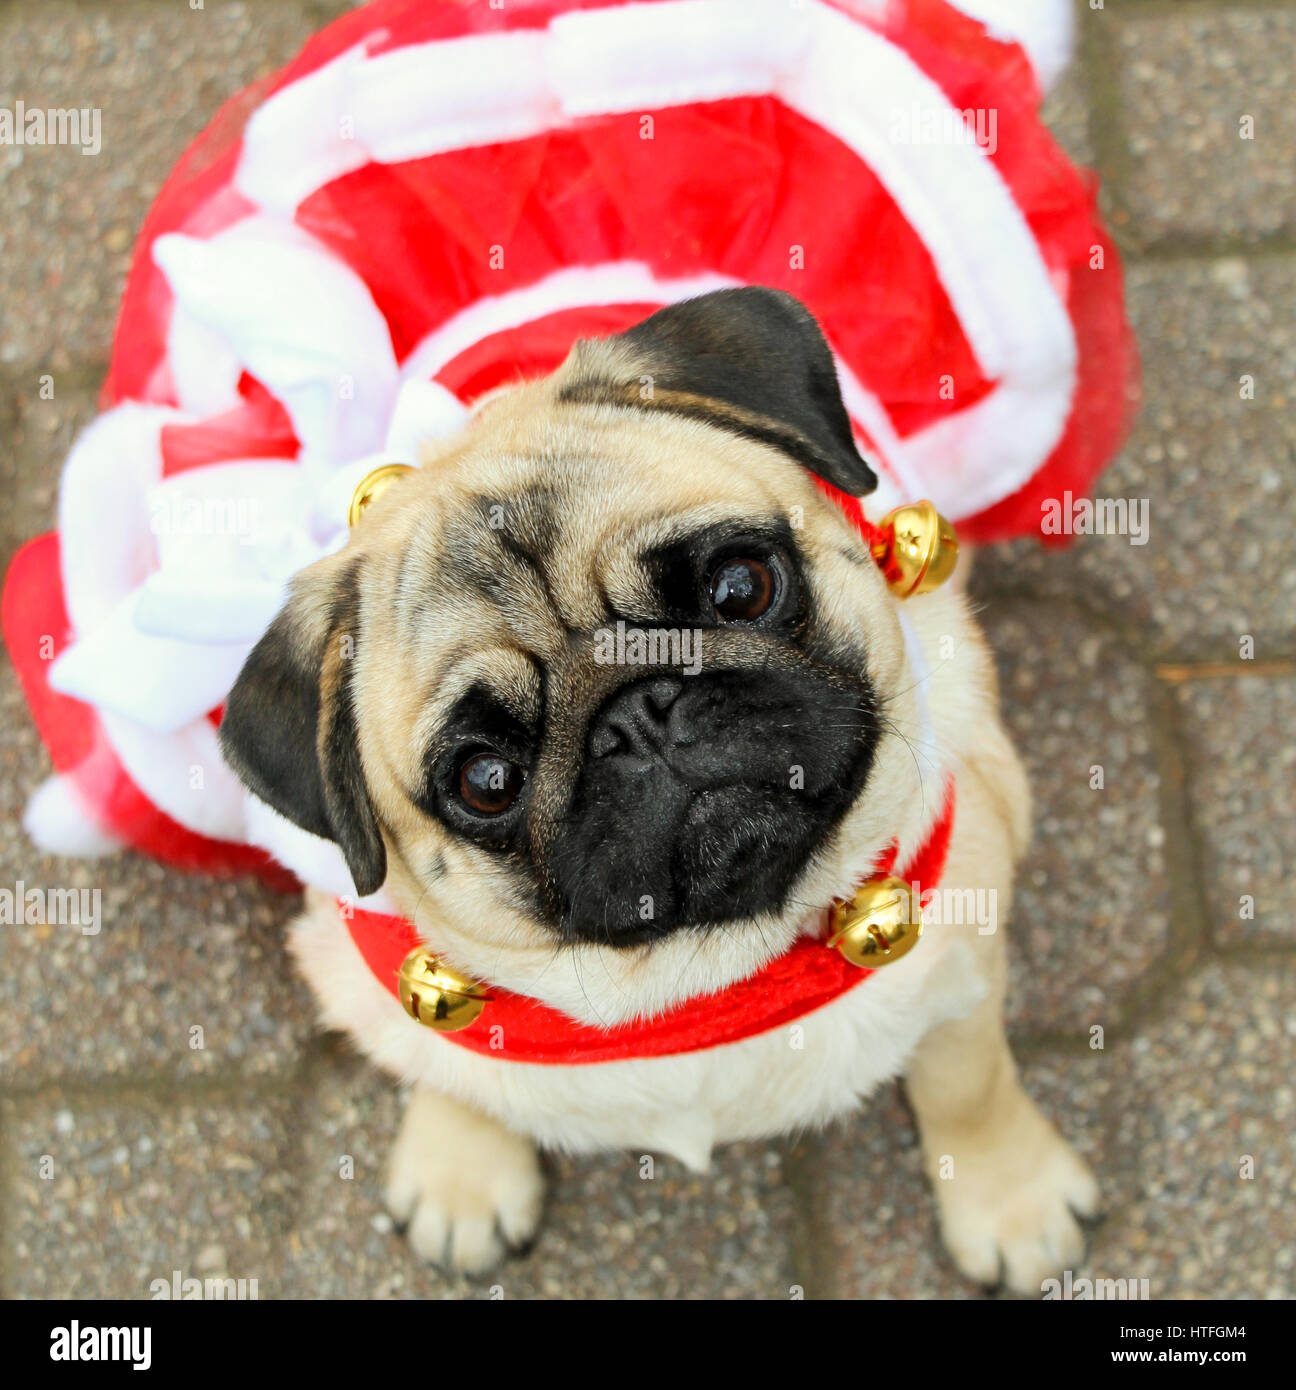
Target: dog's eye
x,y
742,589
489,784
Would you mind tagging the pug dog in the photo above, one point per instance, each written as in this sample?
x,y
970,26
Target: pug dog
x,y
430,698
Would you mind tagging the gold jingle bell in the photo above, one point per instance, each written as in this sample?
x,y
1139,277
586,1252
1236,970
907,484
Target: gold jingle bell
x,y
881,923
916,549
435,995
372,486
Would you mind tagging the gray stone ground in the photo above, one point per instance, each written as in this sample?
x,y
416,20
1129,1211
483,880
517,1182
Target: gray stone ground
x,y
227,1160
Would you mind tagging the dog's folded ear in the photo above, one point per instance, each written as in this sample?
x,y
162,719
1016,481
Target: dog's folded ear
x,y
289,728
752,361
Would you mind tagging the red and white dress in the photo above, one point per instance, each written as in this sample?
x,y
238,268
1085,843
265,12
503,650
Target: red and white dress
x,y
436,199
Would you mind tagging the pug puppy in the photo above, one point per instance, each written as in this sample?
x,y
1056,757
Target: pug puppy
x,y
430,699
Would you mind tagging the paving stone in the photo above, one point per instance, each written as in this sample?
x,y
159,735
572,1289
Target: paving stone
x,y
1242,786
38,434
1066,113
154,1180
1219,472
1188,76
1091,909
353,1114
1165,1117
879,1212
607,1231
1199,1092
174,952
107,1198
158,74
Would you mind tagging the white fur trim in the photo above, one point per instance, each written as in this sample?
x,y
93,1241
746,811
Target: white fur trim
x,y
181,773
418,100
989,262
631,282
424,410
108,549
229,538
59,821
575,287
308,117
671,52
204,367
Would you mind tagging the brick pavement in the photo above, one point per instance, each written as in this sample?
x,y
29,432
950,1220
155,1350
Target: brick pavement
x,y
228,1160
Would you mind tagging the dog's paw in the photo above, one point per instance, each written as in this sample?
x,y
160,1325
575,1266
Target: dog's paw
x,y
1009,1214
467,1190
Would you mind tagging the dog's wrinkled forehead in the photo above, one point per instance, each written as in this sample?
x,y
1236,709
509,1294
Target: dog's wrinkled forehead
x,y
545,526
541,554
655,426
512,552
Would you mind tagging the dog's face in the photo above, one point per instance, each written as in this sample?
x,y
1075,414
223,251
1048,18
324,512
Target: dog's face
x,y
609,668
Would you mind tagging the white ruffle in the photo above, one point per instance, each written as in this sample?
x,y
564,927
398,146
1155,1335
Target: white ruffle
x,y
166,611
300,321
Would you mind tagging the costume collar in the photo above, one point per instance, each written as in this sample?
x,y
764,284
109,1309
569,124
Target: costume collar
x,y
878,924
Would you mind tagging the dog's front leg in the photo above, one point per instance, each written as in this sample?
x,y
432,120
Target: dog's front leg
x,y
468,1189
1008,1186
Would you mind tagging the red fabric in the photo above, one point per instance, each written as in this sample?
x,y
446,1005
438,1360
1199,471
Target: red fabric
x,y
519,1029
1103,409
36,630
533,350
596,191
259,428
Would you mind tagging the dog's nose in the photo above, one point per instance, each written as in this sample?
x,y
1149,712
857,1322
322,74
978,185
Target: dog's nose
x,y
635,720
